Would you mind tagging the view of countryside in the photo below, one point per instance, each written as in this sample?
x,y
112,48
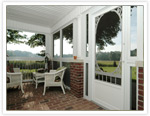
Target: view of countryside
x,y
25,44
109,40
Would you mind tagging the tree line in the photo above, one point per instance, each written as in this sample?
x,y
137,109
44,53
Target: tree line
x,y
109,56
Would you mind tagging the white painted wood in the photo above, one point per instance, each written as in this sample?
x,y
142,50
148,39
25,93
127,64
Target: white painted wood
x,y
43,15
126,39
61,47
139,63
140,33
16,25
107,96
48,45
51,47
69,17
75,37
79,42
131,61
83,36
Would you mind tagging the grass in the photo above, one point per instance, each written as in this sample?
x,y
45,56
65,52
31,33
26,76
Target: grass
x,y
111,69
107,62
28,70
133,73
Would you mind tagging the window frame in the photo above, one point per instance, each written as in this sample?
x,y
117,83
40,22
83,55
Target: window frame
x,y
63,42
61,58
53,42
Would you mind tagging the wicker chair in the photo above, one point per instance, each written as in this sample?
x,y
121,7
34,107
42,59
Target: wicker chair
x,y
38,78
15,79
54,78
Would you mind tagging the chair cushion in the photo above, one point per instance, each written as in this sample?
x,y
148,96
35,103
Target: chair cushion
x,y
10,68
60,68
41,70
57,79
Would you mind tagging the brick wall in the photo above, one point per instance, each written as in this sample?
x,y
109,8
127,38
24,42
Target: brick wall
x,y
76,79
140,88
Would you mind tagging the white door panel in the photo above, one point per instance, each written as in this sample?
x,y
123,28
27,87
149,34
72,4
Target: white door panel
x,y
108,96
107,86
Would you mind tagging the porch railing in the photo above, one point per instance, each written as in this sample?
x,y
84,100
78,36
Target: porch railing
x,y
27,67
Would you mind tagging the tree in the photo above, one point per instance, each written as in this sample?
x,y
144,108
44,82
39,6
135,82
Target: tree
x,y
115,64
107,28
37,40
68,33
14,36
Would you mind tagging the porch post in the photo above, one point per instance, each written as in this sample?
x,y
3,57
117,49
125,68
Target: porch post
x,y
49,49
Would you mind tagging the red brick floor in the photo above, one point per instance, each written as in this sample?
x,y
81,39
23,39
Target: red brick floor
x,y
54,99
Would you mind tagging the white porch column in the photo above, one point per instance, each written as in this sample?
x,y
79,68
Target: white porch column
x,y
140,34
49,45
79,40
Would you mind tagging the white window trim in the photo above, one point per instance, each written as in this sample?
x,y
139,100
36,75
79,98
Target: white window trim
x,y
61,58
140,36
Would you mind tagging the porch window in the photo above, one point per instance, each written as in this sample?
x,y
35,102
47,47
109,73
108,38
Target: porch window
x,y
87,34
56,47
133,31
56,64
26,51
25,44
67,35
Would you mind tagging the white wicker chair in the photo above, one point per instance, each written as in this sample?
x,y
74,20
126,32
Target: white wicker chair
x,y
38,78
15,79
51,81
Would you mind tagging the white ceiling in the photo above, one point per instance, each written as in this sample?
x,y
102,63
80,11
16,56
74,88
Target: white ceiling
x,y
43,15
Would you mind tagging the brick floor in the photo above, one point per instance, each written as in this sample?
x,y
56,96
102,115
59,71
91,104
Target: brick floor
x,y
54,99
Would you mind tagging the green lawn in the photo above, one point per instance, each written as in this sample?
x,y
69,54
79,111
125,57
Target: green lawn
x,y
134,73
111,69
107,62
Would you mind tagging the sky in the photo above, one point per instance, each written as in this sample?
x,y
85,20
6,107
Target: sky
x,y
116,47
133,31
24,47
67,48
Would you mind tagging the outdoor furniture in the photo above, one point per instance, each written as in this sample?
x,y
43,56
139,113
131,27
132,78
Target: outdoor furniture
x,y
16,70
15,79
54,78
38,78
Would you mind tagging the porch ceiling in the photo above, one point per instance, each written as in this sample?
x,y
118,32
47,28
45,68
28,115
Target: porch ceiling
x,y
42,15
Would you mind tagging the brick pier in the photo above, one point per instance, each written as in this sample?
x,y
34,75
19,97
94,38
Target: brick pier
x,y
76,79
140,88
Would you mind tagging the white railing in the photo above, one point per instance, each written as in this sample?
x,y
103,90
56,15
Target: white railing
x,y
27,66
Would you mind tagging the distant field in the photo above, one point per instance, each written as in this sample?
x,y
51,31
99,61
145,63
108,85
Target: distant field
x,y
111,69
107,62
